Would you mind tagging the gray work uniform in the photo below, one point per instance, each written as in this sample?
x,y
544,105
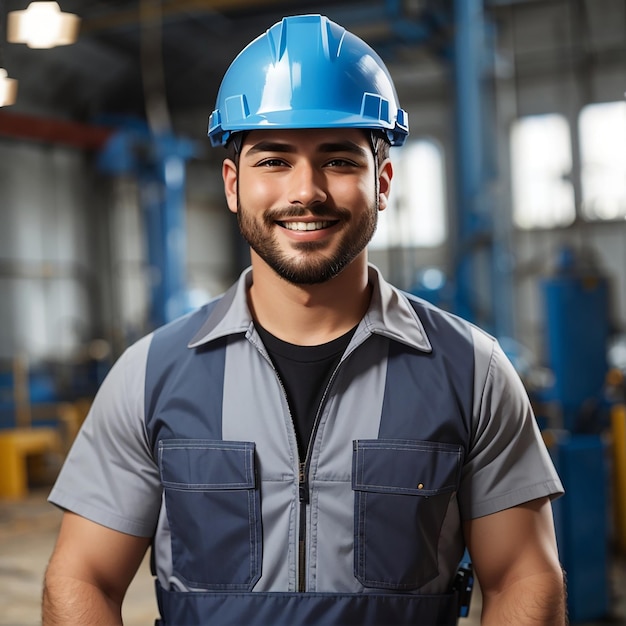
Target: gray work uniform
x,y
424,424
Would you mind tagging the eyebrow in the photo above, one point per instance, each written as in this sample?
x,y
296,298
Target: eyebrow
x,y
327,148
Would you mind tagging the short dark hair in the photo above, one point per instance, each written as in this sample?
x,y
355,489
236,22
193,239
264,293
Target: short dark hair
x,y
380,146
233,147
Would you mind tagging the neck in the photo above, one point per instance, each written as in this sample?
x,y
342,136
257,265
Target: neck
x,y
309,314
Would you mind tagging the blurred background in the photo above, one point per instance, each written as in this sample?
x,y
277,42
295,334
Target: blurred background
x,y
508,208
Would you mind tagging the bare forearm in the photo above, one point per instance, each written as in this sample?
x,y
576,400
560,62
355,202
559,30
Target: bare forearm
x,y
533,601
71,602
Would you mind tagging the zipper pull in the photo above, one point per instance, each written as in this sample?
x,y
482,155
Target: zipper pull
x,y
303,487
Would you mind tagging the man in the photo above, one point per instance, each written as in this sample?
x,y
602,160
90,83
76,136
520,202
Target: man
x,y
314,447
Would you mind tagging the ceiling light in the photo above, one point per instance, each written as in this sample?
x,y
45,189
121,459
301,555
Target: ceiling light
x,y
42,25
8,89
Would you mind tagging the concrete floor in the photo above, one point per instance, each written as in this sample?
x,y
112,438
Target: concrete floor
x,y
28,531
27,534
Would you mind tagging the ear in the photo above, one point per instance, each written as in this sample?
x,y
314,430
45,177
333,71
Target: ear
x,y
229,176
385,174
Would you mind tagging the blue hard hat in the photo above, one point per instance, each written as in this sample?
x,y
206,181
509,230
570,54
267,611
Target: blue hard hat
x,y
307,72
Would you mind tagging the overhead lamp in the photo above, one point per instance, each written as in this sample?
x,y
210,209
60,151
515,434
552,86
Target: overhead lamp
x,y
42,25
8,89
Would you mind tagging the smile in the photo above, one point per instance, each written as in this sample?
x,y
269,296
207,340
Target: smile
x,y
302,226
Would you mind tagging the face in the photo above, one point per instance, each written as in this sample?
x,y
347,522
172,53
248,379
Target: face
x,y
307,201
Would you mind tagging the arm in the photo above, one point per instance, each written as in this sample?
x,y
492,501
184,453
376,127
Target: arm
x,y
516,562
89,572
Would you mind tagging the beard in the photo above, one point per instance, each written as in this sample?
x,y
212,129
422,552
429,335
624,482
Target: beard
x,y
313,265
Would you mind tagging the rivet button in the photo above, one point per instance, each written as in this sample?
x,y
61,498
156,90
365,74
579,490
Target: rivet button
x,y
420,486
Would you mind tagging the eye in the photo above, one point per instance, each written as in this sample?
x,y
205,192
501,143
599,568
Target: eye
x,y
272,162
340,162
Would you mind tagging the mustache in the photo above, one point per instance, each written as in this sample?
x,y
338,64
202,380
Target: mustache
x,y
322,211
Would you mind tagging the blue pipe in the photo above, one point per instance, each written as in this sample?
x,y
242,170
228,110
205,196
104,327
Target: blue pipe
x,y
483,292
467,75
158,162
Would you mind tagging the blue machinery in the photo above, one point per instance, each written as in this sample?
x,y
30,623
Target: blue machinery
x,y
576,308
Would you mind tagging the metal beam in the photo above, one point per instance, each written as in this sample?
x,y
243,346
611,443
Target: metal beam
x,y
55,131
157,11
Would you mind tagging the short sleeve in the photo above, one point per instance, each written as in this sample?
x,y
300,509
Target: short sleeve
x,y
507,463
109,476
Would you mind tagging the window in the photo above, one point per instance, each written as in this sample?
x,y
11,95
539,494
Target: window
x,y
415,216
541,165
602,130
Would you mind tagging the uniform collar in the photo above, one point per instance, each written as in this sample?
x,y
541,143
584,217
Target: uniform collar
x,y
230,315
389,314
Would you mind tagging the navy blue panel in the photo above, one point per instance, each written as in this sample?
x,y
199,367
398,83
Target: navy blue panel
x,y
402,490
184,386
307,609
211,494
429,396
214,512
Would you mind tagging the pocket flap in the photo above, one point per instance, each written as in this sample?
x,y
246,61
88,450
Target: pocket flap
x,y
197,464
421,468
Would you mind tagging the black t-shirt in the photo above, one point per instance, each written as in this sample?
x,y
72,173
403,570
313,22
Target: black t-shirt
x,y
304,372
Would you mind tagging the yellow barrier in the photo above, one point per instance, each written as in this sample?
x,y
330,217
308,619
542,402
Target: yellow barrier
x,y
618,428
16,445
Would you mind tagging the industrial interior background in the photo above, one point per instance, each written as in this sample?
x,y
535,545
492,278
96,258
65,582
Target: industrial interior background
x,y
512,214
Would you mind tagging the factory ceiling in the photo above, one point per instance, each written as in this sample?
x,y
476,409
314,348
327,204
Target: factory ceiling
x,y
166,58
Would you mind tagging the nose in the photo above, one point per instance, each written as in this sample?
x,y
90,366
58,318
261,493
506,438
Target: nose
x,y
306,184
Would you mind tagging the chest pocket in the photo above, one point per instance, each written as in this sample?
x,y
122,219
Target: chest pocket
x,y
402,491
214,512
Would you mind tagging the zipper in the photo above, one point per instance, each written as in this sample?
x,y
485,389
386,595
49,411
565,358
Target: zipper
x,y
303,485
303,497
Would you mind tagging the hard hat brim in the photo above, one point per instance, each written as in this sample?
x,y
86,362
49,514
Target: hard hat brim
x,y
301,119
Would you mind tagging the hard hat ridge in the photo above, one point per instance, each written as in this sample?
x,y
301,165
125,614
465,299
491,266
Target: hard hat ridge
x,y
307,72
331,34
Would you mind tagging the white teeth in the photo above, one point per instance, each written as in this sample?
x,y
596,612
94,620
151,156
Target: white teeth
x,y
306,225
